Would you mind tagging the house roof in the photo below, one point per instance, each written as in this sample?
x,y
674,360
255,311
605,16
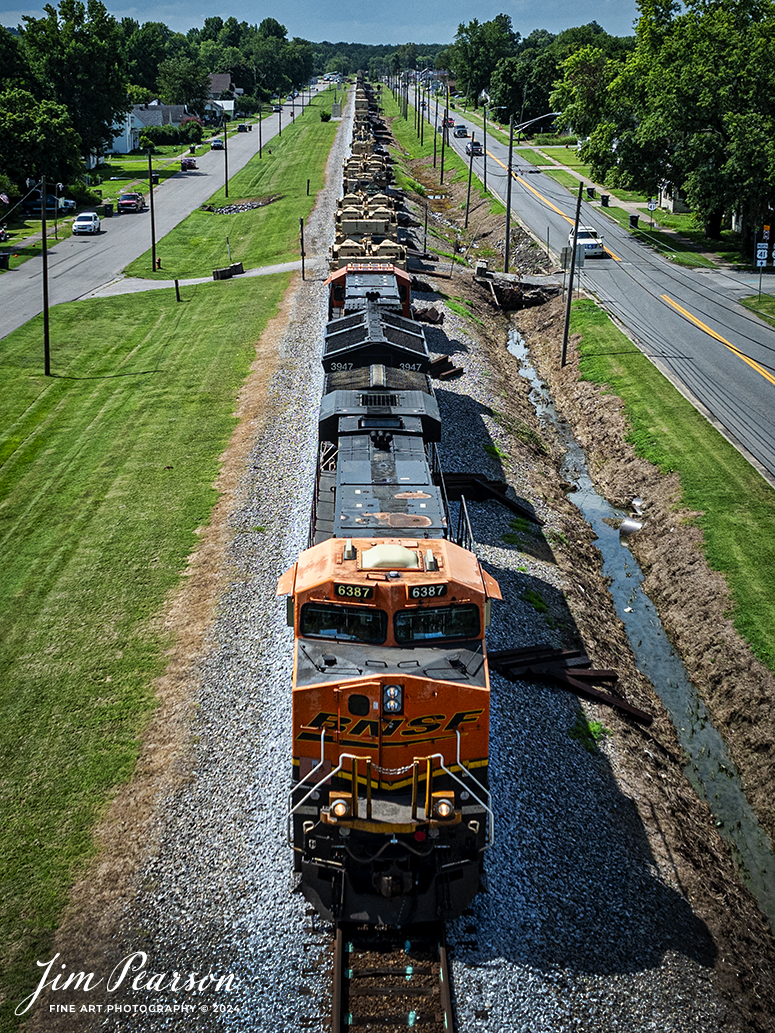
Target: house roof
x,y
219,83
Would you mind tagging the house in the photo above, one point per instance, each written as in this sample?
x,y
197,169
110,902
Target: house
x,y
140,117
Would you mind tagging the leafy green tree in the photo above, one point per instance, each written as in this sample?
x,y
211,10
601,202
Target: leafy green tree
x,y
477,50
183,80
38,139
582,94
75,54
692,107
146,48
14,69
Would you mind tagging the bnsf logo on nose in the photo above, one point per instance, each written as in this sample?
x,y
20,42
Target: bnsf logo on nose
x,y
399,727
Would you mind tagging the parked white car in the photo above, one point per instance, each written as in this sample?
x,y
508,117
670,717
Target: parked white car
x,y
86,222
590,240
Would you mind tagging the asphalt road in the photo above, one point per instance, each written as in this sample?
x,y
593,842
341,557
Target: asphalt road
x,y
688,321
79,265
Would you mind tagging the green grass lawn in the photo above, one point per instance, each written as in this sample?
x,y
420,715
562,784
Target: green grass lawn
x,y
107,470
263,236
763,306
736,504
106,474
566,179
677,249
527,154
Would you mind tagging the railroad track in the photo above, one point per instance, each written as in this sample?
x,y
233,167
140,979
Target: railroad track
x,y
391,980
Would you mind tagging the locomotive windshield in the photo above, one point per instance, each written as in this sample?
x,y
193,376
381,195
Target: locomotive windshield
x,y
438,623
344,623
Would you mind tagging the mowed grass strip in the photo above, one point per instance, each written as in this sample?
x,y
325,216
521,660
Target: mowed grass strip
x,y
736,504
106,472
262,236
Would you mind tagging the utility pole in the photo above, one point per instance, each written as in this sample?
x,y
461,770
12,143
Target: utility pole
x,y
444,131
260,120
564,357
153,221
46,338
470,174
508,194
436,129
226,154
484,147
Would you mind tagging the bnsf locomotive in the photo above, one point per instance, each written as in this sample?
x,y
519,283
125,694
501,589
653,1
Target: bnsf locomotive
x,y
390,810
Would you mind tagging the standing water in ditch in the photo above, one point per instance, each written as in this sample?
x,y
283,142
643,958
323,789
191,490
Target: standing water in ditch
x,y
710,769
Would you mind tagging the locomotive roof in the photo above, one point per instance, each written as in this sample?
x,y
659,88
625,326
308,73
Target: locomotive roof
x,y
374,335
326,562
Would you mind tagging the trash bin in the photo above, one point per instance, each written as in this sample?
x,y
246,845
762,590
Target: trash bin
x,y
604,199
5,258
590,192
634,222
108,210
192,149
155,179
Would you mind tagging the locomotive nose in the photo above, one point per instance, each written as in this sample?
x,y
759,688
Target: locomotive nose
x,y
393,883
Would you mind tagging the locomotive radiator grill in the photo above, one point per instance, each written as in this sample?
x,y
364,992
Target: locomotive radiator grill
x,y
387,981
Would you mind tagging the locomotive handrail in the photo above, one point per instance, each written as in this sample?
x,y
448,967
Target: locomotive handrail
x,y
356,757
465,534
436,469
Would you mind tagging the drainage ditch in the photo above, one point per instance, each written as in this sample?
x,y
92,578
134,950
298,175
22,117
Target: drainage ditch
x,y
709,767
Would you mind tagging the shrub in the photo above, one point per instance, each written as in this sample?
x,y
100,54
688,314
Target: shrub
x,y
325,116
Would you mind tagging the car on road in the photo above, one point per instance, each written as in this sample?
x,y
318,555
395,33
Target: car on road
x,y
449,121
216,144
590,240
243,127
474,147
277,107
86,222
186,164
131,202
460,131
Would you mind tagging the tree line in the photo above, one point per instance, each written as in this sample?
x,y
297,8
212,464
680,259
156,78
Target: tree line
x,y
687,102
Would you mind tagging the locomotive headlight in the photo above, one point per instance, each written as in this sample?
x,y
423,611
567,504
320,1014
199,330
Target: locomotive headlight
x,y
392,699
443,806
340,806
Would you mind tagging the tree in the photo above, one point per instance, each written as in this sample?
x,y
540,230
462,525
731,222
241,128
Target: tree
x,y
38,139
477,50
76,56
183,80
145,50
582,94
14,69
692,107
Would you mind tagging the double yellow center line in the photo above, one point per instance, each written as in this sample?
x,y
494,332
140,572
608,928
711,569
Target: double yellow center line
x,y
735,351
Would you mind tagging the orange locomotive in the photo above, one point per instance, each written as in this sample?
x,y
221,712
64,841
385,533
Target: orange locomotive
x,y
390,811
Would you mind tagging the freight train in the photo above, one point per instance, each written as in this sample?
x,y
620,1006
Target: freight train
x,y
390,811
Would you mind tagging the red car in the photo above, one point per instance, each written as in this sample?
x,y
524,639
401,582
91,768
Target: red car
x,y
131,203
448,121
188,163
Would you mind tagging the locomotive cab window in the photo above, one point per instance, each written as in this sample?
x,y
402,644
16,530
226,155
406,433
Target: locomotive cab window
x,y
436,623
344,623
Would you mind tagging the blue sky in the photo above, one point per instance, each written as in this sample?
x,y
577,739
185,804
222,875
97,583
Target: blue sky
x,y
362,21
